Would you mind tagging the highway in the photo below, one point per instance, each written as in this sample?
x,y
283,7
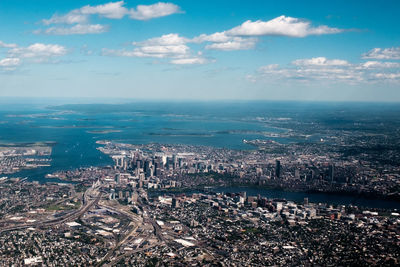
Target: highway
x,y
68,217
109,254
129,234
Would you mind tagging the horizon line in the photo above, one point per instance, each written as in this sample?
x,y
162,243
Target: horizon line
x,y
83,99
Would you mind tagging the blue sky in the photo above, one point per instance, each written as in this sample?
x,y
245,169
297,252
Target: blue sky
x,y
275,50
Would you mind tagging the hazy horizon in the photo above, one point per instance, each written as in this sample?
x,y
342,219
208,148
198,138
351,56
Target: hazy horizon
x,y
123,101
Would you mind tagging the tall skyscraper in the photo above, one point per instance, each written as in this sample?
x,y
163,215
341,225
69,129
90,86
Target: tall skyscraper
x,y
174,161
331,173
277,169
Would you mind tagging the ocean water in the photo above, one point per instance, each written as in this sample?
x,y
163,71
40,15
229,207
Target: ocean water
x,y
75,128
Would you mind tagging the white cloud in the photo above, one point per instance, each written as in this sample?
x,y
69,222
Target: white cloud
x,y
320,61
5,45
35,53
318,68
167,39
379,65
189,61
114,10
9,62
310,73
71,18
111,10
283,26
76,29
235,39
236,43
388,76
170,46
170,51
38,52
218,37
330,70
167,46
223,42
162,51
386,53
143,12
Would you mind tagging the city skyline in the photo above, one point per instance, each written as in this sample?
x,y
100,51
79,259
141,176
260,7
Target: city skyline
x,y
224,50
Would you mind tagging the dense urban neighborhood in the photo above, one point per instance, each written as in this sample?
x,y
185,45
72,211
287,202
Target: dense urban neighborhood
x,y
155,207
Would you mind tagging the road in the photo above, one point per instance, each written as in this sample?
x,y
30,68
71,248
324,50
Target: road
x,y
109,254
68,217
130,233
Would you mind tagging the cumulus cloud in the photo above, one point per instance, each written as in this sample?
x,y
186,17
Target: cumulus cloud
x,y
9,62
243,36
330,70
111,10
386,53
35,53
189,61
218,37
114,10
76,29
320,61
143,12
281,26
221,41
164,40
167,46
5,45
309,73
379,65
172,46
72,17
388,76
38,52
161,51
236,43
238,38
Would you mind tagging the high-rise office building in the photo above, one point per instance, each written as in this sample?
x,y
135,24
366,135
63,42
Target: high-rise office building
x,y
277,169
331,173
